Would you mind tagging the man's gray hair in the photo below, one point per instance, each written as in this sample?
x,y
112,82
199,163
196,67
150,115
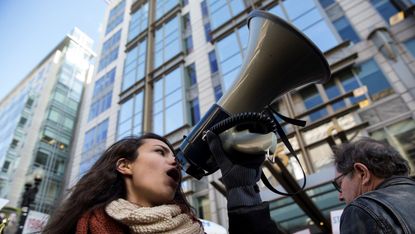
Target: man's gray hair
x,y
380,158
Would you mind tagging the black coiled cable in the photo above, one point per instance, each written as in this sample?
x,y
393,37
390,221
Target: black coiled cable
x,y
267,124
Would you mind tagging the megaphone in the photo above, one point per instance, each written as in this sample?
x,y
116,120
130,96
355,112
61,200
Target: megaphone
x,y
279,58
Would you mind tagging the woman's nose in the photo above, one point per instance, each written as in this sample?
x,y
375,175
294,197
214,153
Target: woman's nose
x,y
172,160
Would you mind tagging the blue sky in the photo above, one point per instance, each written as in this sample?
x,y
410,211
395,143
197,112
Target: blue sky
x,y
30,29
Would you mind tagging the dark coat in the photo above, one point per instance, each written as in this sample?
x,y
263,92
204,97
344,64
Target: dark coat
x,y
251,220
390,208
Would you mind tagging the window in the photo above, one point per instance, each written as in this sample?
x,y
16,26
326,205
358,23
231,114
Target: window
x,y
68,123
350,83
59,96
76,90
41,158
59,166
212,62
52,191
203,207
218,92
103,82
305,15
385,8
345,29
191,85
96,135
326,3
6,166
139,22
206,21
109,51
277,10
230,52
54,115
96,151
208,36
187,31
410,45
22,122
130,116
371,76
134,65
195,111
400,135
332,91
167,42
100,105
221,11
366,74
168,106
115,17
188,42
14,143
87,164
311,99
29,103
191,74
320,156
164,6
187,26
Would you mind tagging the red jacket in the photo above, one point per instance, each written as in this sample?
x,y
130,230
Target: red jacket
x,y
98,222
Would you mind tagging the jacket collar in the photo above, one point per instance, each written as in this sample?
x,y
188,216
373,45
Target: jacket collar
x,y
395,180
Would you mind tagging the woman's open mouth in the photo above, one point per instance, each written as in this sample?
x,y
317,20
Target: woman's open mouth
x,y
174,173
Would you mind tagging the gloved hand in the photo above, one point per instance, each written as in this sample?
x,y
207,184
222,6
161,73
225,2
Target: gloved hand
x,y
240,173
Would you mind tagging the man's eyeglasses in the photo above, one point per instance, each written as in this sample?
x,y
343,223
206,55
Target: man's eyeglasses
x,y
335,182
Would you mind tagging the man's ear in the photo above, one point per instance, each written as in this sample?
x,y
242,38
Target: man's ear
x,y
124,166
362,171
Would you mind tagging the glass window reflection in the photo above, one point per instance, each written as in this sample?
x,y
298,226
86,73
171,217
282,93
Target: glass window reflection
x,y
345,30
130,116
322,36
410,45
168,102
230,57
221,11
138,22
164,6
167,42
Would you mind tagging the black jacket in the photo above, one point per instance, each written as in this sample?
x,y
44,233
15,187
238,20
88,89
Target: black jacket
x,y
390,208
251,220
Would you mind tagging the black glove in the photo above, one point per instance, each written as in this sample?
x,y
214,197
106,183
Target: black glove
x,y
240,173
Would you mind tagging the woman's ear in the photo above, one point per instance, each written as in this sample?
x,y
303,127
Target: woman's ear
x,y
363,172
124,166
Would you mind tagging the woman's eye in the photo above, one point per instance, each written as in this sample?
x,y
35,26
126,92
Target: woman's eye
x,y
160,151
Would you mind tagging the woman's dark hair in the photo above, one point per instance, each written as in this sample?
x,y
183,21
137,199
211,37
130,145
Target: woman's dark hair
x,y
380,158
103,184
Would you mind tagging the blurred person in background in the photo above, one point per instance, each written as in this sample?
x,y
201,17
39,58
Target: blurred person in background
x,y
373,179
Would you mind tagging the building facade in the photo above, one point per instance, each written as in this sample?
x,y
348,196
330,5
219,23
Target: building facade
x,y
38,118
163,63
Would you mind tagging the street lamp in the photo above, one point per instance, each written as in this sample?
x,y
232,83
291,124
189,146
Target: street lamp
x,y
29,195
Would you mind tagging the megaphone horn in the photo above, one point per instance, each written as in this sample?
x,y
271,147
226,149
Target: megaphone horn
x,y
279,58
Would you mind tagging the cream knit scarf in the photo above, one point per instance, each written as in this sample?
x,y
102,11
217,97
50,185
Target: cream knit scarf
x,y
166,219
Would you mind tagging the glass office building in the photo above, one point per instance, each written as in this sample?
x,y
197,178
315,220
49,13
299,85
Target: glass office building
x,y
39,117
163,63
